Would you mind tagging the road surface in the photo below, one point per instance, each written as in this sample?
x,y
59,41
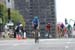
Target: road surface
x,y
44,44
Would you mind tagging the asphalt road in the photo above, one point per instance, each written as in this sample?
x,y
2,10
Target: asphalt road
x,y
44,44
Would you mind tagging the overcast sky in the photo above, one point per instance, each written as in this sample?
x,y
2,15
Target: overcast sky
x,y
65,9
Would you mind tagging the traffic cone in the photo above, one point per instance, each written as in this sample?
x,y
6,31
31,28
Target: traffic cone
x,y
24,35
18,37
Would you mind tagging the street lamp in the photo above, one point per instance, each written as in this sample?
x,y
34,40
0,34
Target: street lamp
x,y
9,14
9,5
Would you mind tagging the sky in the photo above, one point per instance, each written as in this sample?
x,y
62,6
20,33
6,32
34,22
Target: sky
x,y
65,9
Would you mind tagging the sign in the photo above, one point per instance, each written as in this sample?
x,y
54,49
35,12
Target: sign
x,y
10,23
9,4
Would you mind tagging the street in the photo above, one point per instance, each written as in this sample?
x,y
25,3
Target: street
x,y
44,44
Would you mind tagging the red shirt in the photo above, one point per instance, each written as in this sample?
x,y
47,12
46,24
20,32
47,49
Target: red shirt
x,y
48,27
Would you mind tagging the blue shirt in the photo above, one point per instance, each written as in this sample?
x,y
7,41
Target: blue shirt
x,y
35,21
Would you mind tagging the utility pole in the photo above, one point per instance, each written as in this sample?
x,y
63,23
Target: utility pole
x,y
9,14
9,6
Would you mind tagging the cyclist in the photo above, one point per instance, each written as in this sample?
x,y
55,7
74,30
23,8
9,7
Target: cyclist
x,y
48,26
35,25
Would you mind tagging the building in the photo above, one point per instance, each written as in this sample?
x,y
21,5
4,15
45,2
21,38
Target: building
x,y
44,9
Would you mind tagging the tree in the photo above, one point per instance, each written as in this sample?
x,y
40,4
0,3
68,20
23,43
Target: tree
x,y
2,16
3,13
15,15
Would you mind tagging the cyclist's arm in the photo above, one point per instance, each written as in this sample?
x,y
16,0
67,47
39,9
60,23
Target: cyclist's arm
x,y
38,25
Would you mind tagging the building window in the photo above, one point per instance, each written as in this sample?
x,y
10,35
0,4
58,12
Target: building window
x,y
52,3
51,0
48,19
30,7
31,3
42,23
52,16
8,0
52,9
27,0
52,6
52,13
31,13
31,0
30,10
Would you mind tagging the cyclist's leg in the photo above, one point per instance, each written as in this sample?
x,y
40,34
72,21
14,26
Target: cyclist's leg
x,y
36,36
36,33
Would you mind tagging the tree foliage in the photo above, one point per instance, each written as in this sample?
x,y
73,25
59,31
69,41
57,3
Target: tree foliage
x,y
3,13
15,15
